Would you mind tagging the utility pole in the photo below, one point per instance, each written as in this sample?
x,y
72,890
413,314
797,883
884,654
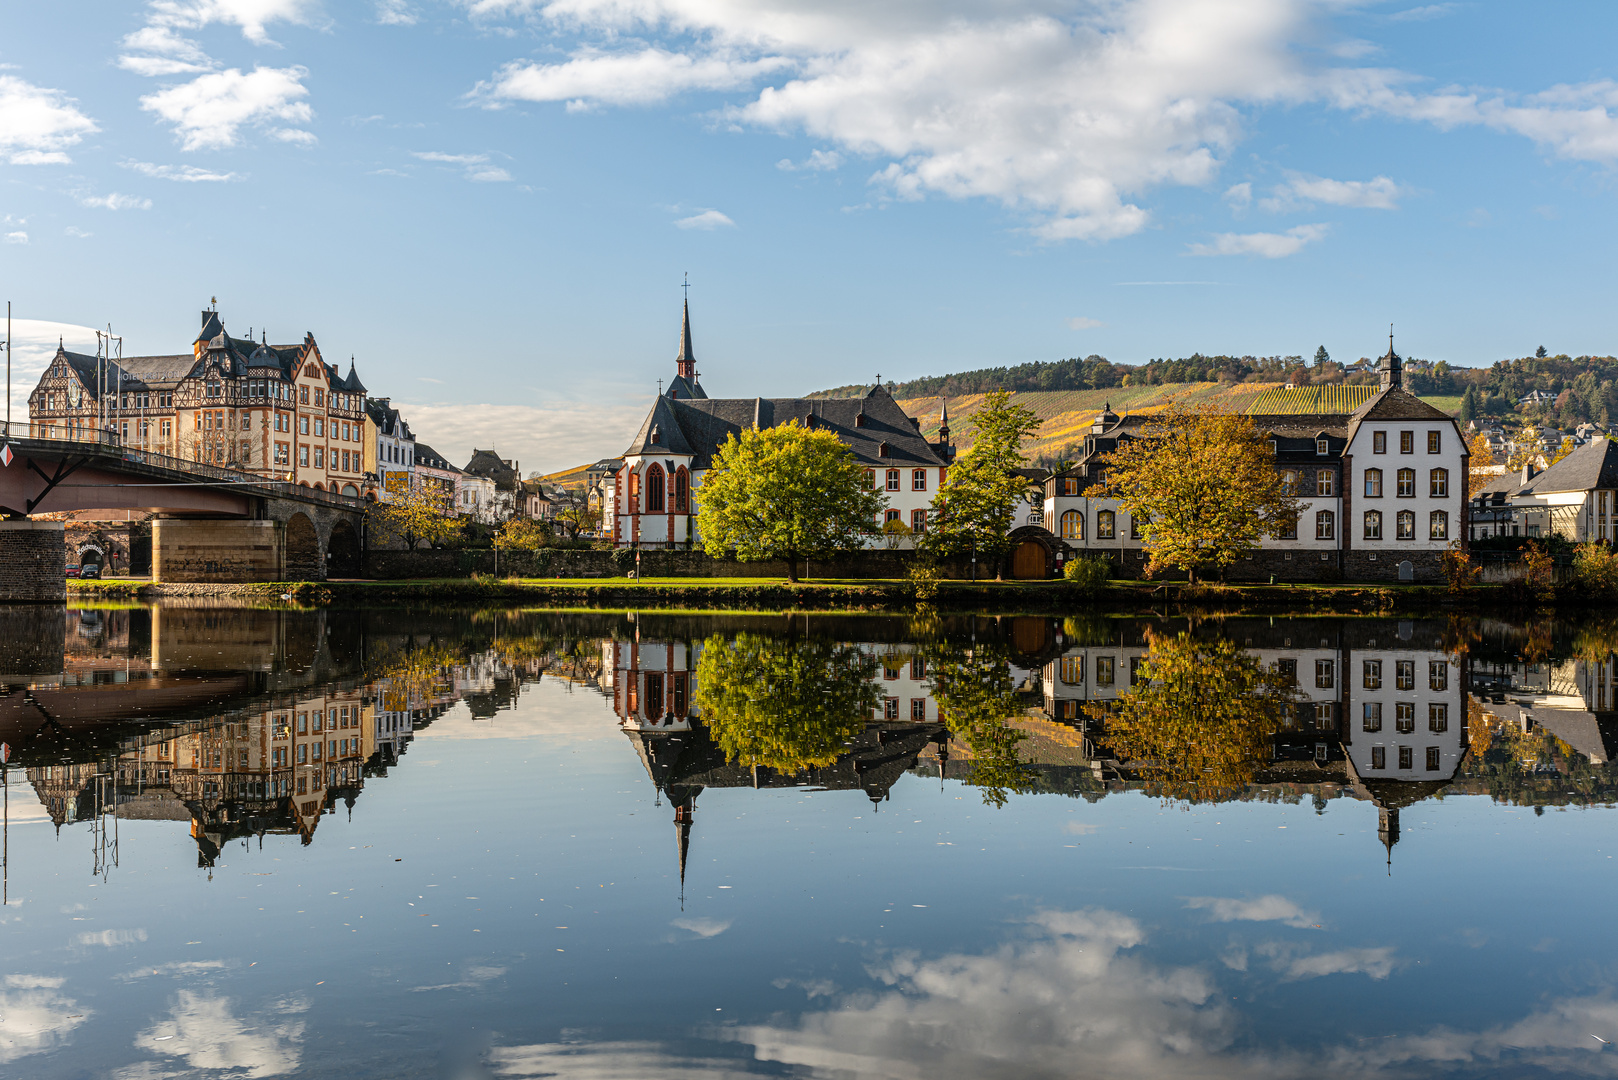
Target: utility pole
x,y
8,369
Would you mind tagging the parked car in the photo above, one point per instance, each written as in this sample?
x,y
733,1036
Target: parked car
x,y
90,571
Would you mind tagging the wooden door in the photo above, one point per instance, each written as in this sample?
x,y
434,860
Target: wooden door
x,y
1028,561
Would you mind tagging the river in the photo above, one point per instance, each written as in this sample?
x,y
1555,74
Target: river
x,y
479,842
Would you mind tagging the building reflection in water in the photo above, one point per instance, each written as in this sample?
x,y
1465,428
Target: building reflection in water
x,y
243,723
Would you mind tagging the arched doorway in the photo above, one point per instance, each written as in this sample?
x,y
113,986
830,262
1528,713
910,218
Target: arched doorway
x,y
1028,560
303,551
343,550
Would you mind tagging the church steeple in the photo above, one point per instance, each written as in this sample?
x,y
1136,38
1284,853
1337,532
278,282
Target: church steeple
x,y
686,363
1391,368
943,423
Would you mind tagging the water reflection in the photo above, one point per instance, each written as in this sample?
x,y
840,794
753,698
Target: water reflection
x,y
244,723
223,729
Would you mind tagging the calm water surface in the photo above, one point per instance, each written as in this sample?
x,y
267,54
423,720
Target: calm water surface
x,y
479,843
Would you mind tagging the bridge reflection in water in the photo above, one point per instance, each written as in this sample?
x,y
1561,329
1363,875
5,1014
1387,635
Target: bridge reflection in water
x,y
243,722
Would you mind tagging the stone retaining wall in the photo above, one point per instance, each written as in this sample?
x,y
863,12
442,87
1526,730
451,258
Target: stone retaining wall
x,y
553,562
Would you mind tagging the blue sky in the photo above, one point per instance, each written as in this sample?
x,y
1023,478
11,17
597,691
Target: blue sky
x,y
490,203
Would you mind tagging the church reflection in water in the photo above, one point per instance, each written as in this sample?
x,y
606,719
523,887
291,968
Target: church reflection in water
x,y
242,722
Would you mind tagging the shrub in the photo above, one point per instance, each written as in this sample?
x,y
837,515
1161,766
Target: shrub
x,y
924,577
1537,584
1595,572
624,560
1090,575
1459,569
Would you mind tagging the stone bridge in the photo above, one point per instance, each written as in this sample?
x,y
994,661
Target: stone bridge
x,y
210,525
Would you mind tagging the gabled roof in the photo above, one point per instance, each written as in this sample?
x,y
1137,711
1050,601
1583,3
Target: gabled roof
x,y
681,388
488,464
1397,403
662,423
701,426
1593,465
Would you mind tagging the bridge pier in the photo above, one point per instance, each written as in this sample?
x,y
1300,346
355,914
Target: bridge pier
x,y
33,561
191,550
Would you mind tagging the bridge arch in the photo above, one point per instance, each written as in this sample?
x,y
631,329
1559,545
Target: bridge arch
x,y
343,549
304,558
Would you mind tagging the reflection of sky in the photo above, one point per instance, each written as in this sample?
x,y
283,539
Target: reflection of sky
x,y
518,904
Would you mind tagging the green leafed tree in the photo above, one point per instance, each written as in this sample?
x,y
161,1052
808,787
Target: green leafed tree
x,y
1203,487
978,504
977,699
786,492
1322,357
784,704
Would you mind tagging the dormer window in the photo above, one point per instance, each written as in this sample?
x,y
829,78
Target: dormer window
x,y
1322,447
657,435
859,419
882,450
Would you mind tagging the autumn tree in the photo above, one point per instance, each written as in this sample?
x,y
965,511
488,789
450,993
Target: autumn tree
x,y
420,514
1479,465
574,515
1203,488
784,704
523,534
979,502
1200,718
1528,447
786,492
1567,447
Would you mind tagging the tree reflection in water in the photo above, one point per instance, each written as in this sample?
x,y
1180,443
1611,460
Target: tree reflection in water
x,y
976,699
784,703
1200,718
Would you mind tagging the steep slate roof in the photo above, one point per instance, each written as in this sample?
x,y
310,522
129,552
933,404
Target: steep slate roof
x,y
1593,465
387,419
703,425
432,459
488,464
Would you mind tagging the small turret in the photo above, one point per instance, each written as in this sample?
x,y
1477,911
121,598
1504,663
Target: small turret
x,y
1391,367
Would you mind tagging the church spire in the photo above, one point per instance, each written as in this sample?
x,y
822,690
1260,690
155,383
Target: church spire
x,y
686,363
943,423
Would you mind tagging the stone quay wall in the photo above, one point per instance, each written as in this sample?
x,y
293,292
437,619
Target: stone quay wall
x,y
216,550
33,561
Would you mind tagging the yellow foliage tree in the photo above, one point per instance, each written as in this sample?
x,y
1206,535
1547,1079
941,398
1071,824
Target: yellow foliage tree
x,y
1478,464
416,515
1203,488
1199,720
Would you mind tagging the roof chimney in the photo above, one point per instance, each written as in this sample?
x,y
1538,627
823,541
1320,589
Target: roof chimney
x,y
1527,471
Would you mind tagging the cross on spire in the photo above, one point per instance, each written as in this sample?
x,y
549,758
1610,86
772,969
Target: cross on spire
x,y
687,285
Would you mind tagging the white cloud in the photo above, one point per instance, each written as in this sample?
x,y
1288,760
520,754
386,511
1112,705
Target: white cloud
x,y
1066,111
1080,322
1378,963
35,1016
705,928
817,161
16,237
251,15
608,1061
294,135
111,938
206,1034
708,219
116,201
78,233
476,166
1423,13
1379,193
558,436
395,13
1270,908
37,125
1239,196
209,111
165,53
1268,245
644,77
186,173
